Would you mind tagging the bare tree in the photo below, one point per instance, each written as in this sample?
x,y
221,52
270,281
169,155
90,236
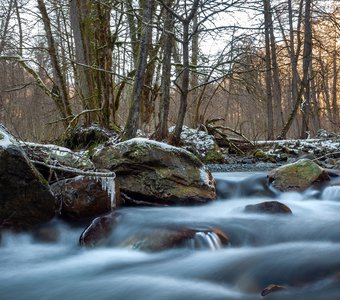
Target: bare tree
x,y
60,89
134,111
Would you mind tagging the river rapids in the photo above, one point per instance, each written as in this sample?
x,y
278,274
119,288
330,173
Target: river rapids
x,y
299,252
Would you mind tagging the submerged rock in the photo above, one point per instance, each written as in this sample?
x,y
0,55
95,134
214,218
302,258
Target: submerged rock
x,y
84,197
47,233
25,198
156,173
297,176
99,231
255,185
271,207
163,239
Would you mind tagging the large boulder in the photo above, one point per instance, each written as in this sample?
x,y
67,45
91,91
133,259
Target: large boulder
x,y
84,197
297,176
155,173
25,198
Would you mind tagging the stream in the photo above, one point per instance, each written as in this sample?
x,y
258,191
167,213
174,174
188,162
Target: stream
x,y
299,251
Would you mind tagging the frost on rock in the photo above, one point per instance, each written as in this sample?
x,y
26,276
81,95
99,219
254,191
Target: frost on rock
x,y
145,141
5,137
5,141
198,142
109,186
205,178
52,153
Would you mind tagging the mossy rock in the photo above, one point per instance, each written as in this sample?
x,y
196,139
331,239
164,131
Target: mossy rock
x,y
150,172
261,155
213,156
297,176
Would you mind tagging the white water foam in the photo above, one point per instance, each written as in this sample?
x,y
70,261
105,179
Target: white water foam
x,y
208,240
331,193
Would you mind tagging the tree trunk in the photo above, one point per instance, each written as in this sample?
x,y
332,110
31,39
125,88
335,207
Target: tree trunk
x,y
334,92
162,128
194,112
307,62
269,100
184,88
134,111
277,111
90,22
4,26
307,56
184,85
60,87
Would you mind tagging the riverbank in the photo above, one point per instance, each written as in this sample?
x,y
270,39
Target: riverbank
x,y
243,167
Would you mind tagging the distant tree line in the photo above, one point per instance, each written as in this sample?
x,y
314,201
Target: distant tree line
x,y
147,65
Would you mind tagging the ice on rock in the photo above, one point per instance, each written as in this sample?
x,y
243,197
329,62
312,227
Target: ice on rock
x,y
108,185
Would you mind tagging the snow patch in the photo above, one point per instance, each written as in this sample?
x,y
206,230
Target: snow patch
x,y
204,176
5,140
57,150
145,141
196,141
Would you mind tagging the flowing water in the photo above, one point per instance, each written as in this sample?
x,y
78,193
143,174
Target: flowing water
x,y
300,252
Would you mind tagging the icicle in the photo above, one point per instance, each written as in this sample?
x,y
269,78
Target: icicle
x,y
108,185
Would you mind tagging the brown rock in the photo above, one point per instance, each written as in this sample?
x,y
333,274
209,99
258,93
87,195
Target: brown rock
x,y
99,231
84,197
163,239
271,207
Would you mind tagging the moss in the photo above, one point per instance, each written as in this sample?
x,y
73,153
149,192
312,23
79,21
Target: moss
x,y
261,155
213,156
297,176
